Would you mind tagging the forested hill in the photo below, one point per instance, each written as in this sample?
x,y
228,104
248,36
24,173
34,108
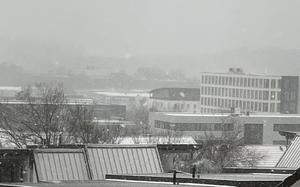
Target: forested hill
x,y
24,61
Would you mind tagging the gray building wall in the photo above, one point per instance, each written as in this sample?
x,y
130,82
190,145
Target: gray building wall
x,y
290,95
269,123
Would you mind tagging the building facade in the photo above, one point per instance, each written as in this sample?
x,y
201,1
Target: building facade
x,y
221,92
175,100
126,98
258,129
290,99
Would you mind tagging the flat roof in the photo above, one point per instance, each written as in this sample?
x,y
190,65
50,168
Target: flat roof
x,y
175,88
123,94
10,88
112,122
242,74
232,179
107,183
226,115
4,101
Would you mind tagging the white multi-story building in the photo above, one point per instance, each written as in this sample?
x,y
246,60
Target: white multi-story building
x,y
221,92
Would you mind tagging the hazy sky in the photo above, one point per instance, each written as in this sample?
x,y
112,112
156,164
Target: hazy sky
x,y
155,27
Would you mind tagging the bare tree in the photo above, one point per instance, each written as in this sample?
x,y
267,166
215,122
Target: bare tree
x,y
37,115
82,126
10,128
139,114
227,149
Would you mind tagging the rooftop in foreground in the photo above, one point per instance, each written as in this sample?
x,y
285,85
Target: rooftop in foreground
x,y
227,179
107,183
221,176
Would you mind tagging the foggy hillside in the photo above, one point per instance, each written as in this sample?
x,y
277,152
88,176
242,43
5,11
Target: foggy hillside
x,y
55,58
38,55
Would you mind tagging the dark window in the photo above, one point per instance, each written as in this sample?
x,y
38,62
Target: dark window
x,y
266,95
217,127
273,83
278,107
261,83
279,84
253,133
259,107
260,94
286,127
252,83
266,83
278,95
252,94
194,126
279,142
252,106
265,107
273,95
228,127
256,83
272,107
161,124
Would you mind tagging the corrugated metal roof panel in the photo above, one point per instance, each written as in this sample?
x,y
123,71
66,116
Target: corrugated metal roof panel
x,y
61,164
291,158
123,159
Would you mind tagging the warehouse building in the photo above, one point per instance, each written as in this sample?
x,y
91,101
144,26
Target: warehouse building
x,y
175,100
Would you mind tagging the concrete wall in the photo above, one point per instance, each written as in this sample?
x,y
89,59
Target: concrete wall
x,y
169,105
268,121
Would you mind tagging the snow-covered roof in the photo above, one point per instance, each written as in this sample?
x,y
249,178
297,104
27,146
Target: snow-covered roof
x,y
157,140
123,94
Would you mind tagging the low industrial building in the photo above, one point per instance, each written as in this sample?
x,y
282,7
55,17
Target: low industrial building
x,y
126,98
258,129
175,100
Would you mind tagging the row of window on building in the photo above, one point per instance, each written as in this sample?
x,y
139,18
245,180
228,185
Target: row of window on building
x,y
216,126
245,105
241,81
213,110
193,126
175,107
286,127
241,93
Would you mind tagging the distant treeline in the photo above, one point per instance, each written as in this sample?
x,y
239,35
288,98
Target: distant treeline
x,y
143,78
